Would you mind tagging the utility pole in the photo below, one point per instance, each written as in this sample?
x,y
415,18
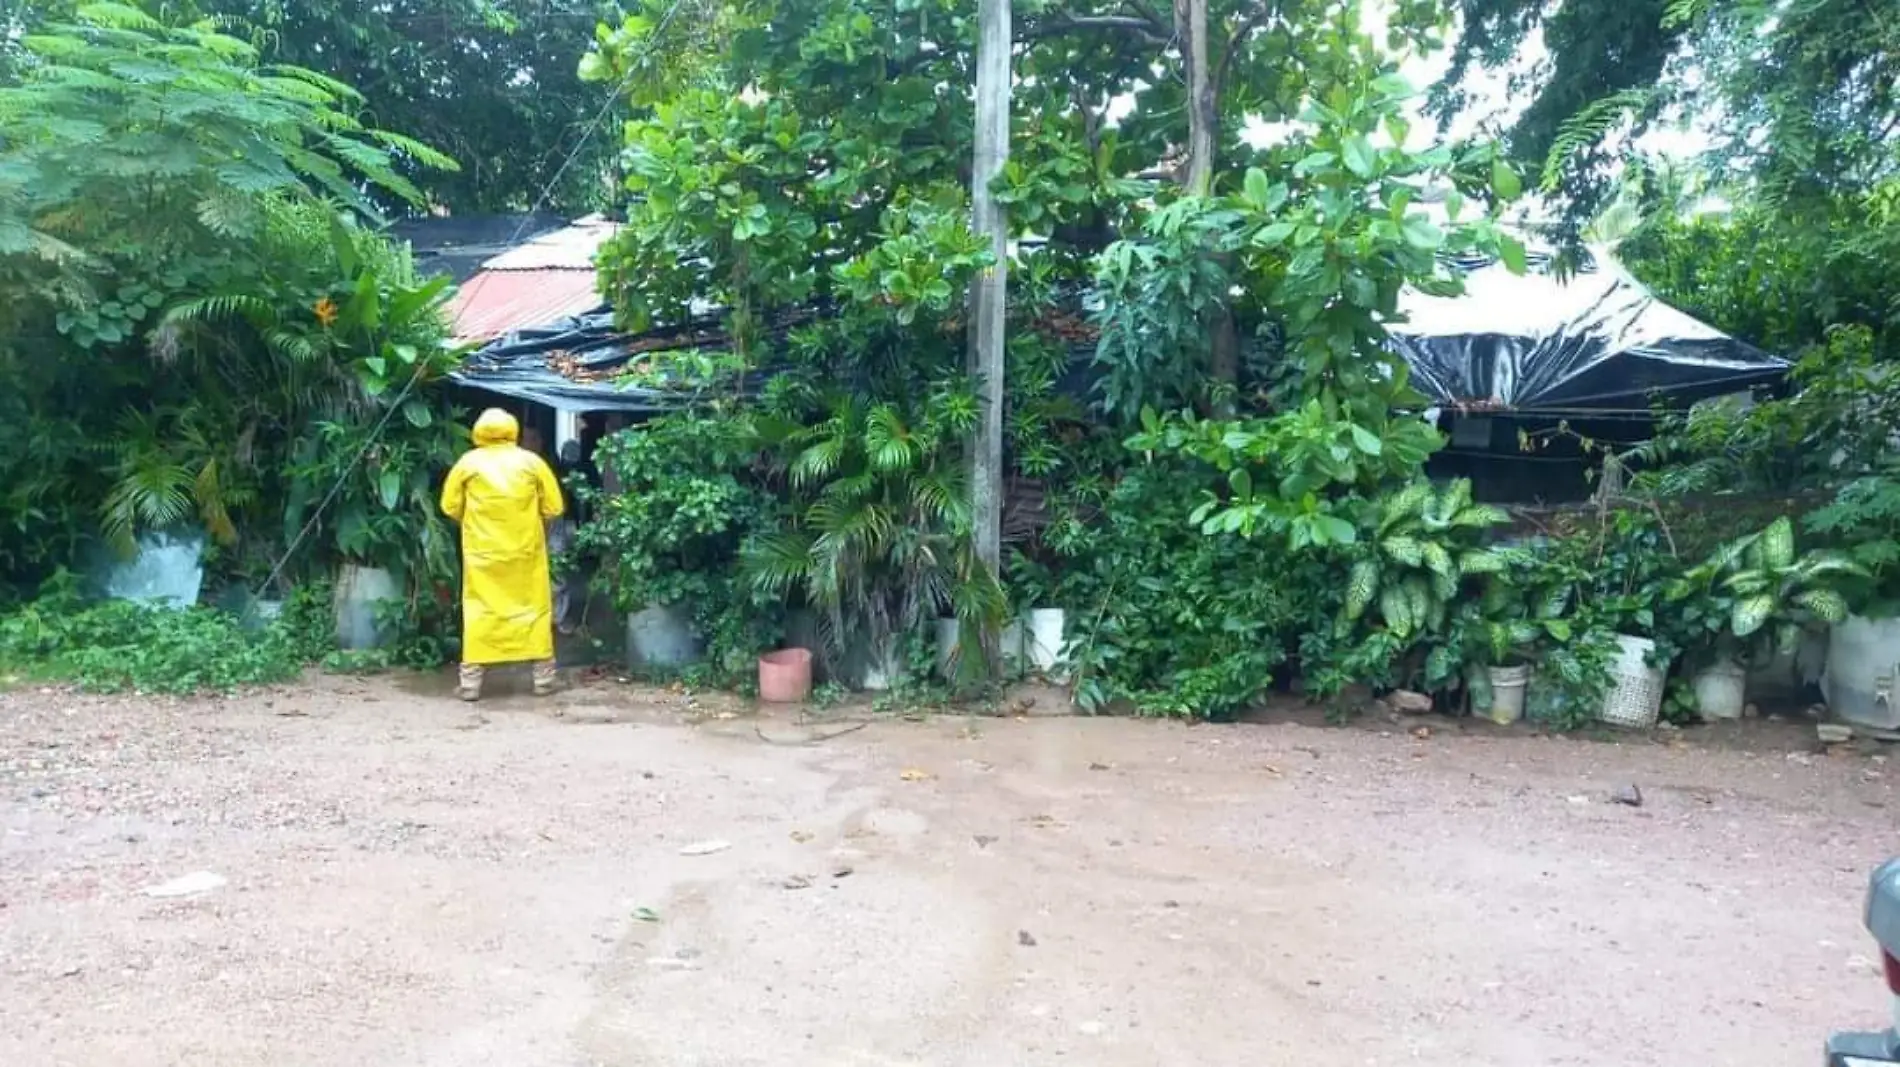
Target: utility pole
x,y
989,294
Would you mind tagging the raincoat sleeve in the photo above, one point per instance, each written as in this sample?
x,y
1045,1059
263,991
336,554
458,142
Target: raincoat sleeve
x,y
455,491
548,488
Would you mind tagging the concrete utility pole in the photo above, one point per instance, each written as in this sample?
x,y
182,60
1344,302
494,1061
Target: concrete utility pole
x,y
989,294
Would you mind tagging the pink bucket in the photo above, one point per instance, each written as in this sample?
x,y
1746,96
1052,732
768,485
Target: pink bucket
x,y
785,676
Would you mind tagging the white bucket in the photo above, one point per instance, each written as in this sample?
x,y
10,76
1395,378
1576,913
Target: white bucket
x,y
1863,661
1507,693
1635,696
1721,691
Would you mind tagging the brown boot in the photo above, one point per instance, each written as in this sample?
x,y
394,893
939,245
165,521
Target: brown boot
x,y
546,678
469,682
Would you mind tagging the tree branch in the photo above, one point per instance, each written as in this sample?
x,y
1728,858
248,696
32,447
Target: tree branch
x,y
1091,122
1147,30
1247,25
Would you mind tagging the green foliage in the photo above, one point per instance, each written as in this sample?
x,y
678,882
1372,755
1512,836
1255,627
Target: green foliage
x,y
128,137
1159,622
1863,521
688,493
491,82
1579,136
1838,423
1338,238
1523,611
1287,475
169,288
110,646
1599,51
1321,244
1159,294
1781,279
1423,545
1799,97
1755,596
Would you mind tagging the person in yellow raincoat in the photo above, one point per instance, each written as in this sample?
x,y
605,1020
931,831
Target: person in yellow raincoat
x,y
503,495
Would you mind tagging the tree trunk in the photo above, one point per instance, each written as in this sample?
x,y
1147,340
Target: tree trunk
x,y
1190,24
989,294
1197,179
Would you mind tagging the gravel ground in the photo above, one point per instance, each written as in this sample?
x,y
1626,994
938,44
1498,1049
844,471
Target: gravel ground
x,y
628,877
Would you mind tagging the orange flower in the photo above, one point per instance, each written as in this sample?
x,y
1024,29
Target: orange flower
x,y
325,310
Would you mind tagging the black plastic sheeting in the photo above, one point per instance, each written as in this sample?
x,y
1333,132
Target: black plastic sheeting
x,y
579,365
1595,341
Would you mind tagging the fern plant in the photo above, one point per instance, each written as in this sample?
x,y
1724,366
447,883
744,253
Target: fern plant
x,y
1425,543
1587,128
170,466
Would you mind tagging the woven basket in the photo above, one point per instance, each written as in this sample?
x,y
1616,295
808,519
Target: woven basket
x,y
1635,697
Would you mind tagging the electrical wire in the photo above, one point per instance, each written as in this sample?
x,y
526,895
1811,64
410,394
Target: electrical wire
x,y
415,379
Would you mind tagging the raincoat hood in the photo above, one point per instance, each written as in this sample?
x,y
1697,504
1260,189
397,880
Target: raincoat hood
x,y
496,427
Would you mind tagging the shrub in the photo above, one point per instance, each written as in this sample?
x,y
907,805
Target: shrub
x,y
1171,621
115,645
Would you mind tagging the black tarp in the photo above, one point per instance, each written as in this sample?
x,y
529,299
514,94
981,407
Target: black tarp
x,y
1597,340
581,364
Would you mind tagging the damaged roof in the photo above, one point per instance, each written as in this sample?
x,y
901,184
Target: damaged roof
x,y
546,279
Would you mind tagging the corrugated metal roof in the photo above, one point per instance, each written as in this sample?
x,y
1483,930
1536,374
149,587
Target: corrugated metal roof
x,y
495,302
538,283
571,248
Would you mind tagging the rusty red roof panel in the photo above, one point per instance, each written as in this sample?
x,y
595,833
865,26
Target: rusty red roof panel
x,y
495,302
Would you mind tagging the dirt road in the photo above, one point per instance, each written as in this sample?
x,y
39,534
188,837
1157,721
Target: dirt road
x,y
621,887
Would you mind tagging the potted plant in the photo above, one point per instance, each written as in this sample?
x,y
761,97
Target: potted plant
x,y
1755,595
667,542
1863,521
1626,571
1521,615
1703,612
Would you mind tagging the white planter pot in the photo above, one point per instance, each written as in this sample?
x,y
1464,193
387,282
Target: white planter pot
x,y
1863,660
1045,636
662,637
878,669
358,591
1721,691
1635,696
1507,693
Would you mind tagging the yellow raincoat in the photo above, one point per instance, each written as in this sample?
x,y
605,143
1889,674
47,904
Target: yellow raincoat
x,y
502,495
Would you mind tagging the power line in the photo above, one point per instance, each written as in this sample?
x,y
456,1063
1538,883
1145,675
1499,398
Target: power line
x,y
416,378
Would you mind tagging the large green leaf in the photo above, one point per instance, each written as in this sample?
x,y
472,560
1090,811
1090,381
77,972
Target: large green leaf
x,y
1750,614
1395,607
1479,561
1777,544
1362,584
1824,604
1404,550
